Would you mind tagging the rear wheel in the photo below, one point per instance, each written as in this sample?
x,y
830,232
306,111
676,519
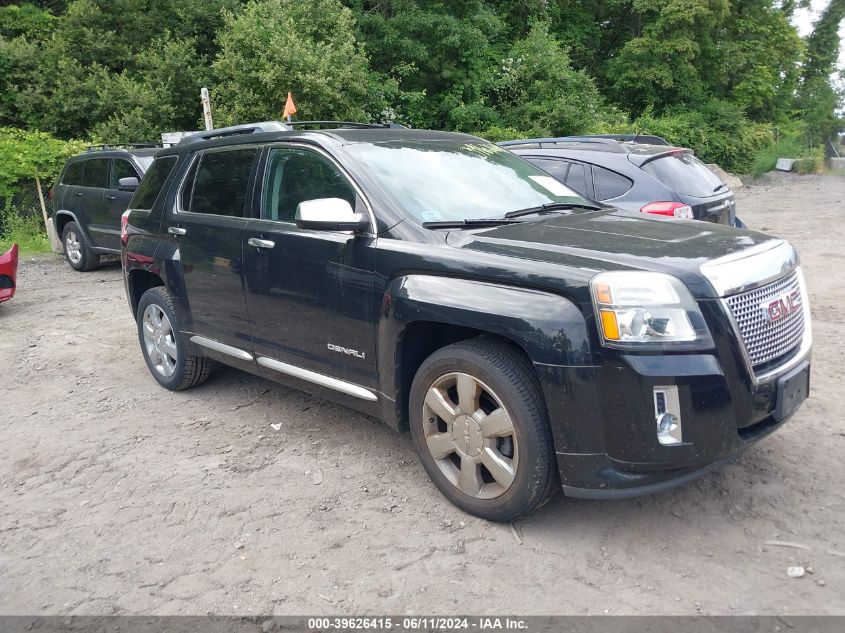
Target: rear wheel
x,y
78,251
163,345
480,427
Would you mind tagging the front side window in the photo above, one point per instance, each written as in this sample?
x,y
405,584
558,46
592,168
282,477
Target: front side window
x,y
221,183
73,173
452,180
152,182
296,175
121,169
96,173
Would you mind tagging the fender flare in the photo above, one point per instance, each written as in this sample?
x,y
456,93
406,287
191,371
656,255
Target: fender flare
x,y
72,215
549,328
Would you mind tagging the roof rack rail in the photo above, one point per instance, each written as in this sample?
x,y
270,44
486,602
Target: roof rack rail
x,y
247,128
589,142
648,139
346,124
110,146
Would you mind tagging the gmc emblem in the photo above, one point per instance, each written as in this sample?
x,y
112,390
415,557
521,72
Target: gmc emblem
x,y
783,306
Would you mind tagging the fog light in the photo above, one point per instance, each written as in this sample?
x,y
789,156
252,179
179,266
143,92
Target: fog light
x,y
667,414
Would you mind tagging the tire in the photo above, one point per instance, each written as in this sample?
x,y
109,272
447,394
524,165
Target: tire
x,y
77,250
163,344
499,470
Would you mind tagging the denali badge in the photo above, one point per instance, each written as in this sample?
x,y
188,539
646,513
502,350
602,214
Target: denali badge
x,y
347,351
783,306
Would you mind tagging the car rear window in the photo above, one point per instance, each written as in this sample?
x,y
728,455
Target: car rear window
x,y
609,184
147,192
222,182
73,174
685,174
96,173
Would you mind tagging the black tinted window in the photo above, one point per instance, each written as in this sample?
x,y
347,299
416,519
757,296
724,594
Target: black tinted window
x,y
221,182
577,178
298,175
684,173
152,182
121,169
73,174
556,168
96,173
609,184
188,186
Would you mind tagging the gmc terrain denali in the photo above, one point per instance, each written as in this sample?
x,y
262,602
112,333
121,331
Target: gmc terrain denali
x,y
527,337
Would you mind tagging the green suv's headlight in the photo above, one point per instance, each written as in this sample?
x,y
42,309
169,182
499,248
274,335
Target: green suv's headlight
x,y
638,310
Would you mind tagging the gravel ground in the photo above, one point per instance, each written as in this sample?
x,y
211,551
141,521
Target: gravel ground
x,y
117,496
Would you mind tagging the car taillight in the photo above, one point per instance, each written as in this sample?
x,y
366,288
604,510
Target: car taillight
x,y
671,209
124,227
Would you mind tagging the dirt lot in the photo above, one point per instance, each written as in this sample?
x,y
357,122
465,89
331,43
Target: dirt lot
x,y
117,496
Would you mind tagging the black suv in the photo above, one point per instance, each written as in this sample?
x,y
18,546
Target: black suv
x,y
634,173
90,195
528,338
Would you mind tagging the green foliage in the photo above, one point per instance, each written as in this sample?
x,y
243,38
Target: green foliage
x,y
25,230
276,46
25,155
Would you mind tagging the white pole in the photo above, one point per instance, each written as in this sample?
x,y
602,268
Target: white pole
x,y
206,108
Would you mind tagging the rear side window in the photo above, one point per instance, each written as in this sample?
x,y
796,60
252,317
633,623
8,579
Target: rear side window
x,y
121,169
151,184
577,178
96,173
609,184
556,168
221,182
73,174
685,174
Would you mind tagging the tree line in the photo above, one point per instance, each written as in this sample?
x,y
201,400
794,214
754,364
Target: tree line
x,y
728,78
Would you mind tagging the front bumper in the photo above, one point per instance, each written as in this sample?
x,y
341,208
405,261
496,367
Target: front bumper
x,y
604,422
8,273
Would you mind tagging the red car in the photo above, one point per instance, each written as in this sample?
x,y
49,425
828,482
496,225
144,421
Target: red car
x,y
8,272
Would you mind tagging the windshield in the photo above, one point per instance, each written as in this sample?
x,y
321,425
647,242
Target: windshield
x,y
685,174
435,181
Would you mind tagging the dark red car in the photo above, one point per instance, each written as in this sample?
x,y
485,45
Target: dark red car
x,y
8,273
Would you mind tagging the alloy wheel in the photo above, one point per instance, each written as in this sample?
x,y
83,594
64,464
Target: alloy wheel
x,y
160,341
470,435
72,247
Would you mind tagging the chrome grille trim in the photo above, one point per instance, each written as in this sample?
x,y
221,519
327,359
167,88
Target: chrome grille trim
x,y
766,340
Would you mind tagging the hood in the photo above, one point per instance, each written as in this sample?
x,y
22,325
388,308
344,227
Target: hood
x,y
616,240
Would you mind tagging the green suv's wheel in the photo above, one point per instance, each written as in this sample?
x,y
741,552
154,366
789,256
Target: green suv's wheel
x,y
163,344
480,427
77,250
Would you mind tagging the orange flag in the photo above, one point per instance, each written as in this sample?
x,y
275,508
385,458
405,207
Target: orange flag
x,y
290,108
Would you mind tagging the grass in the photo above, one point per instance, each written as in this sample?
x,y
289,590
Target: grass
x,y
27,232
808,159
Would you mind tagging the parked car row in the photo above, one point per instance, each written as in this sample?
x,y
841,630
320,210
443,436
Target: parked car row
x,y
530,337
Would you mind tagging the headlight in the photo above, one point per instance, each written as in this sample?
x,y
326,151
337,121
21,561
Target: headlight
x,y
638,310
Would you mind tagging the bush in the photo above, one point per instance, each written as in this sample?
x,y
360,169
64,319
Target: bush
x,y
24,229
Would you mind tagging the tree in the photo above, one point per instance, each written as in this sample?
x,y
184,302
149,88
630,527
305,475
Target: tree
x,y
276,46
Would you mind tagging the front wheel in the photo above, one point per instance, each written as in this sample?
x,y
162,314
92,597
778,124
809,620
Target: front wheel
x,y
163,345
480,426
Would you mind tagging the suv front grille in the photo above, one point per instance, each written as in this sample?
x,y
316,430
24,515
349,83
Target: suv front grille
x,y
766,340
6,282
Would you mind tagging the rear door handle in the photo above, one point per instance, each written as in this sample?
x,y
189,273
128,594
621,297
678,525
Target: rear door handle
x,y
79,193
177,230
112,198
259,243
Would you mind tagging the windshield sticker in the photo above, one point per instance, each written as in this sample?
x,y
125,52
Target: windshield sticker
x,y
430,216
555,187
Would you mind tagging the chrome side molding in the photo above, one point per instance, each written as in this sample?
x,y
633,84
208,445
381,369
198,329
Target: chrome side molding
x,y
217,346
319,379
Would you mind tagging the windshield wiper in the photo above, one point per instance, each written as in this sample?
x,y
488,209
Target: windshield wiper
x,y
719,186
468,222
553,206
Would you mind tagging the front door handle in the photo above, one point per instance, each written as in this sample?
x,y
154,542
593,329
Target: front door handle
x,y
79,193
177,230
112,198
259,243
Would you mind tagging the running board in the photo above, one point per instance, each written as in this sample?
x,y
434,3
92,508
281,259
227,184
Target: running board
x,y
319,379
217,346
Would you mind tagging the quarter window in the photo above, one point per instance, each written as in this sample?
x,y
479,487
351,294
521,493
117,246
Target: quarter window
x,y
577,178
556,168
152,182
609,184
296,175
73,173
96,173
121,169
221,183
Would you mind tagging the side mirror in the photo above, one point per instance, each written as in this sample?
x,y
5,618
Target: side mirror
x,y
329,214
130,183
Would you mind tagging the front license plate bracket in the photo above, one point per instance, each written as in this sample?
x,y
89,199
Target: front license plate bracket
x,y
793,389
